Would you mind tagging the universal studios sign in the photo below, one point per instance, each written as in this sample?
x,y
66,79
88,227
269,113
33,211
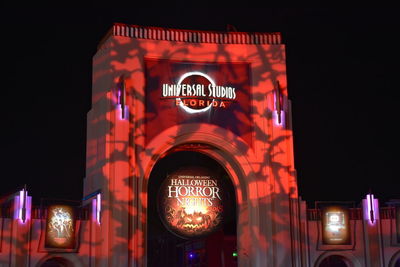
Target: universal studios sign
x,y
197,92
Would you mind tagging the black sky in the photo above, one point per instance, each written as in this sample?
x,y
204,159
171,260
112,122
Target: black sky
x,y
342,70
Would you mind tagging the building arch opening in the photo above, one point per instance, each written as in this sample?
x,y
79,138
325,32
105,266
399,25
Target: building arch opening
x,y
335,261
191,212
397,262
57,262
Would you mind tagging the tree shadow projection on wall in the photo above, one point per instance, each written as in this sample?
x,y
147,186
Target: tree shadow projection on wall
x,y
123,153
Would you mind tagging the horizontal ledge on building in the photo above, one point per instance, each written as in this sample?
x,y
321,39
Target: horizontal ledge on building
x,y
190,36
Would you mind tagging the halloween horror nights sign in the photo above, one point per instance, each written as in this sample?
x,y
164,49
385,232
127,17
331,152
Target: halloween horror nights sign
x,y
191,202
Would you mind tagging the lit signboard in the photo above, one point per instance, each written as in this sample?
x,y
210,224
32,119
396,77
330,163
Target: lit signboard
x,y
179,92
60,227
335,226
196,92
191,202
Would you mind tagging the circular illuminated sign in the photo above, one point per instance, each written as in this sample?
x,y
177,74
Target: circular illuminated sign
x,y
200,78
191,202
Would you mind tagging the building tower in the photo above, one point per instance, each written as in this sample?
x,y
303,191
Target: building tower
x,y
157,92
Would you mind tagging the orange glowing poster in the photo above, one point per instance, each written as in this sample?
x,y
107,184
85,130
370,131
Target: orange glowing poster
x,y
191,202
60,227
335,226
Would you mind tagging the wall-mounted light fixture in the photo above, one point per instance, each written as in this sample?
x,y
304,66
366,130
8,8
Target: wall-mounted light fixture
x,y
96,208
279,114
122,98
371,209
22,206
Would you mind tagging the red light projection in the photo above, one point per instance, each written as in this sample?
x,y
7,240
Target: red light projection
x,y
242,136
336,227
191,202
132,126
60,227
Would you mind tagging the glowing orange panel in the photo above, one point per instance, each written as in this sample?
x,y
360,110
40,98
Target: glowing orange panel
x,y
60,227
336,227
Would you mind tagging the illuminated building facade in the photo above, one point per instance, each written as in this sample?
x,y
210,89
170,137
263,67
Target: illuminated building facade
x,y
190,163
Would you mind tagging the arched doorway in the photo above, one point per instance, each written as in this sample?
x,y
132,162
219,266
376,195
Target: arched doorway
x,y
57,262
164,247
334,261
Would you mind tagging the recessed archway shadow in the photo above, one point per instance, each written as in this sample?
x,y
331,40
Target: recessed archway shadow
x,y
168,249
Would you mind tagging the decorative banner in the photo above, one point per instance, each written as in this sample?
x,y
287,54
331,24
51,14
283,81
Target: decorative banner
x,y
335,226
60,225
191,202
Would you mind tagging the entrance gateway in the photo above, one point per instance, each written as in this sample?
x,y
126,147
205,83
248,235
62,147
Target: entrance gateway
x,y
190,145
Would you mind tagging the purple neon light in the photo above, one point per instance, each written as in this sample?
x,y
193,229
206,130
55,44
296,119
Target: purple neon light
x,y
98,207
94,209
371,206
275,117
22,206
122,113
275,114
21,212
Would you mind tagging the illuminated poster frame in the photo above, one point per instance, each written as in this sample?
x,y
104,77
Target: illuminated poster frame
x,y
191,202
60,227
336,227
50,208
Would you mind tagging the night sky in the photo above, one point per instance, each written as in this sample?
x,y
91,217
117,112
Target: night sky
x,y
342,68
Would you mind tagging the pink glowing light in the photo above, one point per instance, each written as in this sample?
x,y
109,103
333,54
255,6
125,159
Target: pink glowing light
x,y
94,209
22,206
371,207
278,115
123,112
98,207
275,117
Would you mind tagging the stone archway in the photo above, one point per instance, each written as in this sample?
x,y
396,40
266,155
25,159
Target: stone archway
x,y
59,260
395,260
165,246
337,259
239,167
334,261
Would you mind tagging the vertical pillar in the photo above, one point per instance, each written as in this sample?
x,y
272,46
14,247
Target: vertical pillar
x,y
285,205
372,233
19,249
